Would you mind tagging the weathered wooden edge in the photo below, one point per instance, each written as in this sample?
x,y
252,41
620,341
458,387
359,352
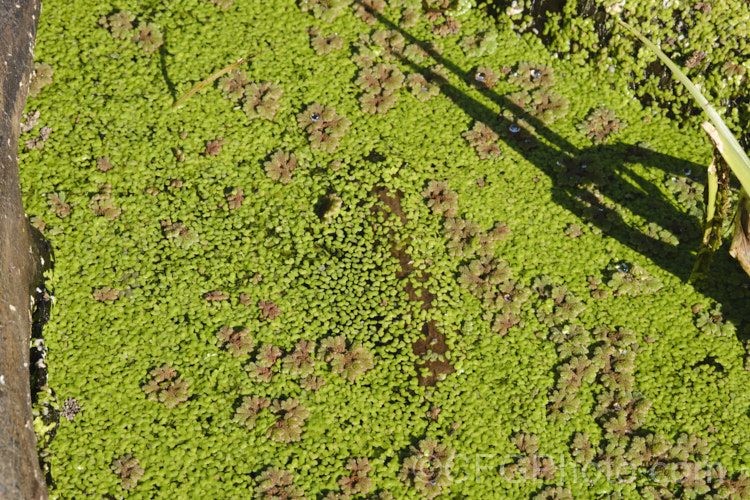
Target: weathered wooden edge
x,y
20,474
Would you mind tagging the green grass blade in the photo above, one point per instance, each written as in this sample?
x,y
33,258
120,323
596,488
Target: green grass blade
x,y
221,72
731,151
207,81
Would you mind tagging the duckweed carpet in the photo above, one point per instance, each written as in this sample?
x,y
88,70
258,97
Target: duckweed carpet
x,y
402,252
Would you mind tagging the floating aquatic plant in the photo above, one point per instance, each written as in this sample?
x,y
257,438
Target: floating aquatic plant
x,y
421,88
38,141
29,121
326,10
247,413
290,417
106,294
558,305
182,236
631,280
447,27
441,199
530,76
484,42
40,78
262,100
236,340
349,362
233,85
103,164
216,296
165,387
275,483
102,204
118,24
526,443
502,322
281,165
484,140
409,18
383,78
223,4
129,470
600,124
268,310
213,148
481,275
554,493
428,467
711,322
148,37
415,53
70,409
483,77
542,103
234,197
59,205
323,45
582,449
323,126
301,361
367,8
356,483
379,84
266,358
390,42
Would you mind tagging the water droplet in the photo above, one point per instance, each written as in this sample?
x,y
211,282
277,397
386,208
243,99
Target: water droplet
x,y
514,128
622,267
315,117
583,166
535,73
687,171
479,77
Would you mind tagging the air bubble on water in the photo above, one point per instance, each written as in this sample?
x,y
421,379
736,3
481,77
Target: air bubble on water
x,y
514,128
622,267
686,171
479,77
535,73
583,166
315,117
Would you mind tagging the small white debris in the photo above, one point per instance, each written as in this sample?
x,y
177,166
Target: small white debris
x,y
12,307
2,379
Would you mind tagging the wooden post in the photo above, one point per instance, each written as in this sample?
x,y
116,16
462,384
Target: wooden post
x,y
20,474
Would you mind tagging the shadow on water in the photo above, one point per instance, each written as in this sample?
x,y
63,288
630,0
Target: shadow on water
x,y
623,185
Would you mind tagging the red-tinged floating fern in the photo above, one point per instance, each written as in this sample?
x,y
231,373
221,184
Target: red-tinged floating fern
x,y
247,413
276,484
428,468
129,470
165,387
290,417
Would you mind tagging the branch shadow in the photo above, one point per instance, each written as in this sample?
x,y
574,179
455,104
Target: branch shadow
x,y
163,67
575,172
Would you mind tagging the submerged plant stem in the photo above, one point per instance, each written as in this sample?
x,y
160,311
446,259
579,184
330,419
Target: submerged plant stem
x,y
717,210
